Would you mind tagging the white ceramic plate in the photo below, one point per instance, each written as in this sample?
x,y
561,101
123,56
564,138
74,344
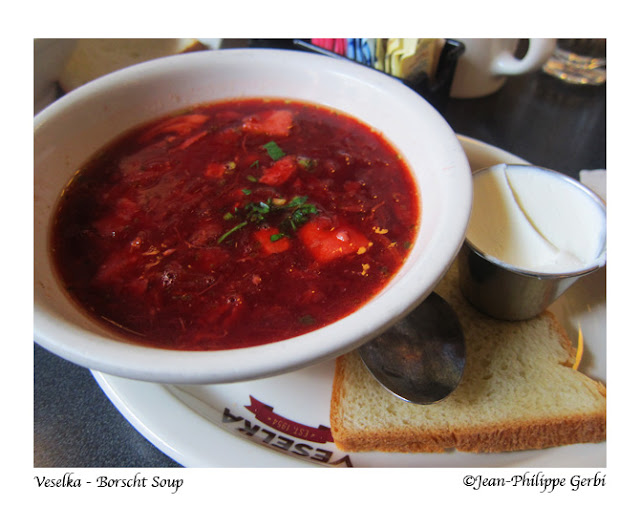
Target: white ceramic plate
x,y
283,421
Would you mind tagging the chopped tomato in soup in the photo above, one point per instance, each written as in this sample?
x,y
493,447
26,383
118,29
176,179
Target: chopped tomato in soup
x,y
327,242
235,224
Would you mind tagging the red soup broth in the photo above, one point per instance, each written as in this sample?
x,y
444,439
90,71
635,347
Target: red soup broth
x,y
235,224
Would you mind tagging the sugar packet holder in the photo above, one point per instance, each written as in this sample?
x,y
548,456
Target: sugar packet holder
x,y
434,90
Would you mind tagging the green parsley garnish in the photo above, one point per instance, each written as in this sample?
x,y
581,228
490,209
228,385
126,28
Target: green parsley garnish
x,y
229,232
300,214
257,211
274,150
306,163
295,213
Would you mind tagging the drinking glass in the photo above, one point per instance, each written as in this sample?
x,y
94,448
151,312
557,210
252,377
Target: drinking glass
x,y
579,61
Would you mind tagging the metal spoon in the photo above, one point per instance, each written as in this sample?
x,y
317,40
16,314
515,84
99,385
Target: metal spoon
x,y
420,359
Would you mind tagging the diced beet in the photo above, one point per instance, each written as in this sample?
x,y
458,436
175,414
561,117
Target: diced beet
x,y
214,170
192,140
279,172
227,135
273,123
179,125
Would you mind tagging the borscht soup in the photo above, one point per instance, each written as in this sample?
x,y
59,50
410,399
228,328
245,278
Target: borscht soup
x,y
235,224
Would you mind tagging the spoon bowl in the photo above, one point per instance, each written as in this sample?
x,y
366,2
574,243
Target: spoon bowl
x,y
421,358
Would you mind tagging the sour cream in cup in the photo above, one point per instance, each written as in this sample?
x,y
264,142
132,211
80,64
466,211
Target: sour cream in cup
x,y
532,233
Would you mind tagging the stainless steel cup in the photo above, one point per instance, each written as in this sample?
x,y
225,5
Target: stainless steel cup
x,y
508,292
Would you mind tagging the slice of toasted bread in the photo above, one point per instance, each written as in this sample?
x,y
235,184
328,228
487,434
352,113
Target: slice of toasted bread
x,y
519,391
93,58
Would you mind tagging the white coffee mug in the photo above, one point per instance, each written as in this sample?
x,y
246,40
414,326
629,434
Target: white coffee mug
x,y
485,64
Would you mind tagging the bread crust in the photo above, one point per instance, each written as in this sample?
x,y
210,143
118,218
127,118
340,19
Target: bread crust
x,y
500,437
377,421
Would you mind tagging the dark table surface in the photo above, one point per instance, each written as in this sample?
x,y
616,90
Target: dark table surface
x,y
534,116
